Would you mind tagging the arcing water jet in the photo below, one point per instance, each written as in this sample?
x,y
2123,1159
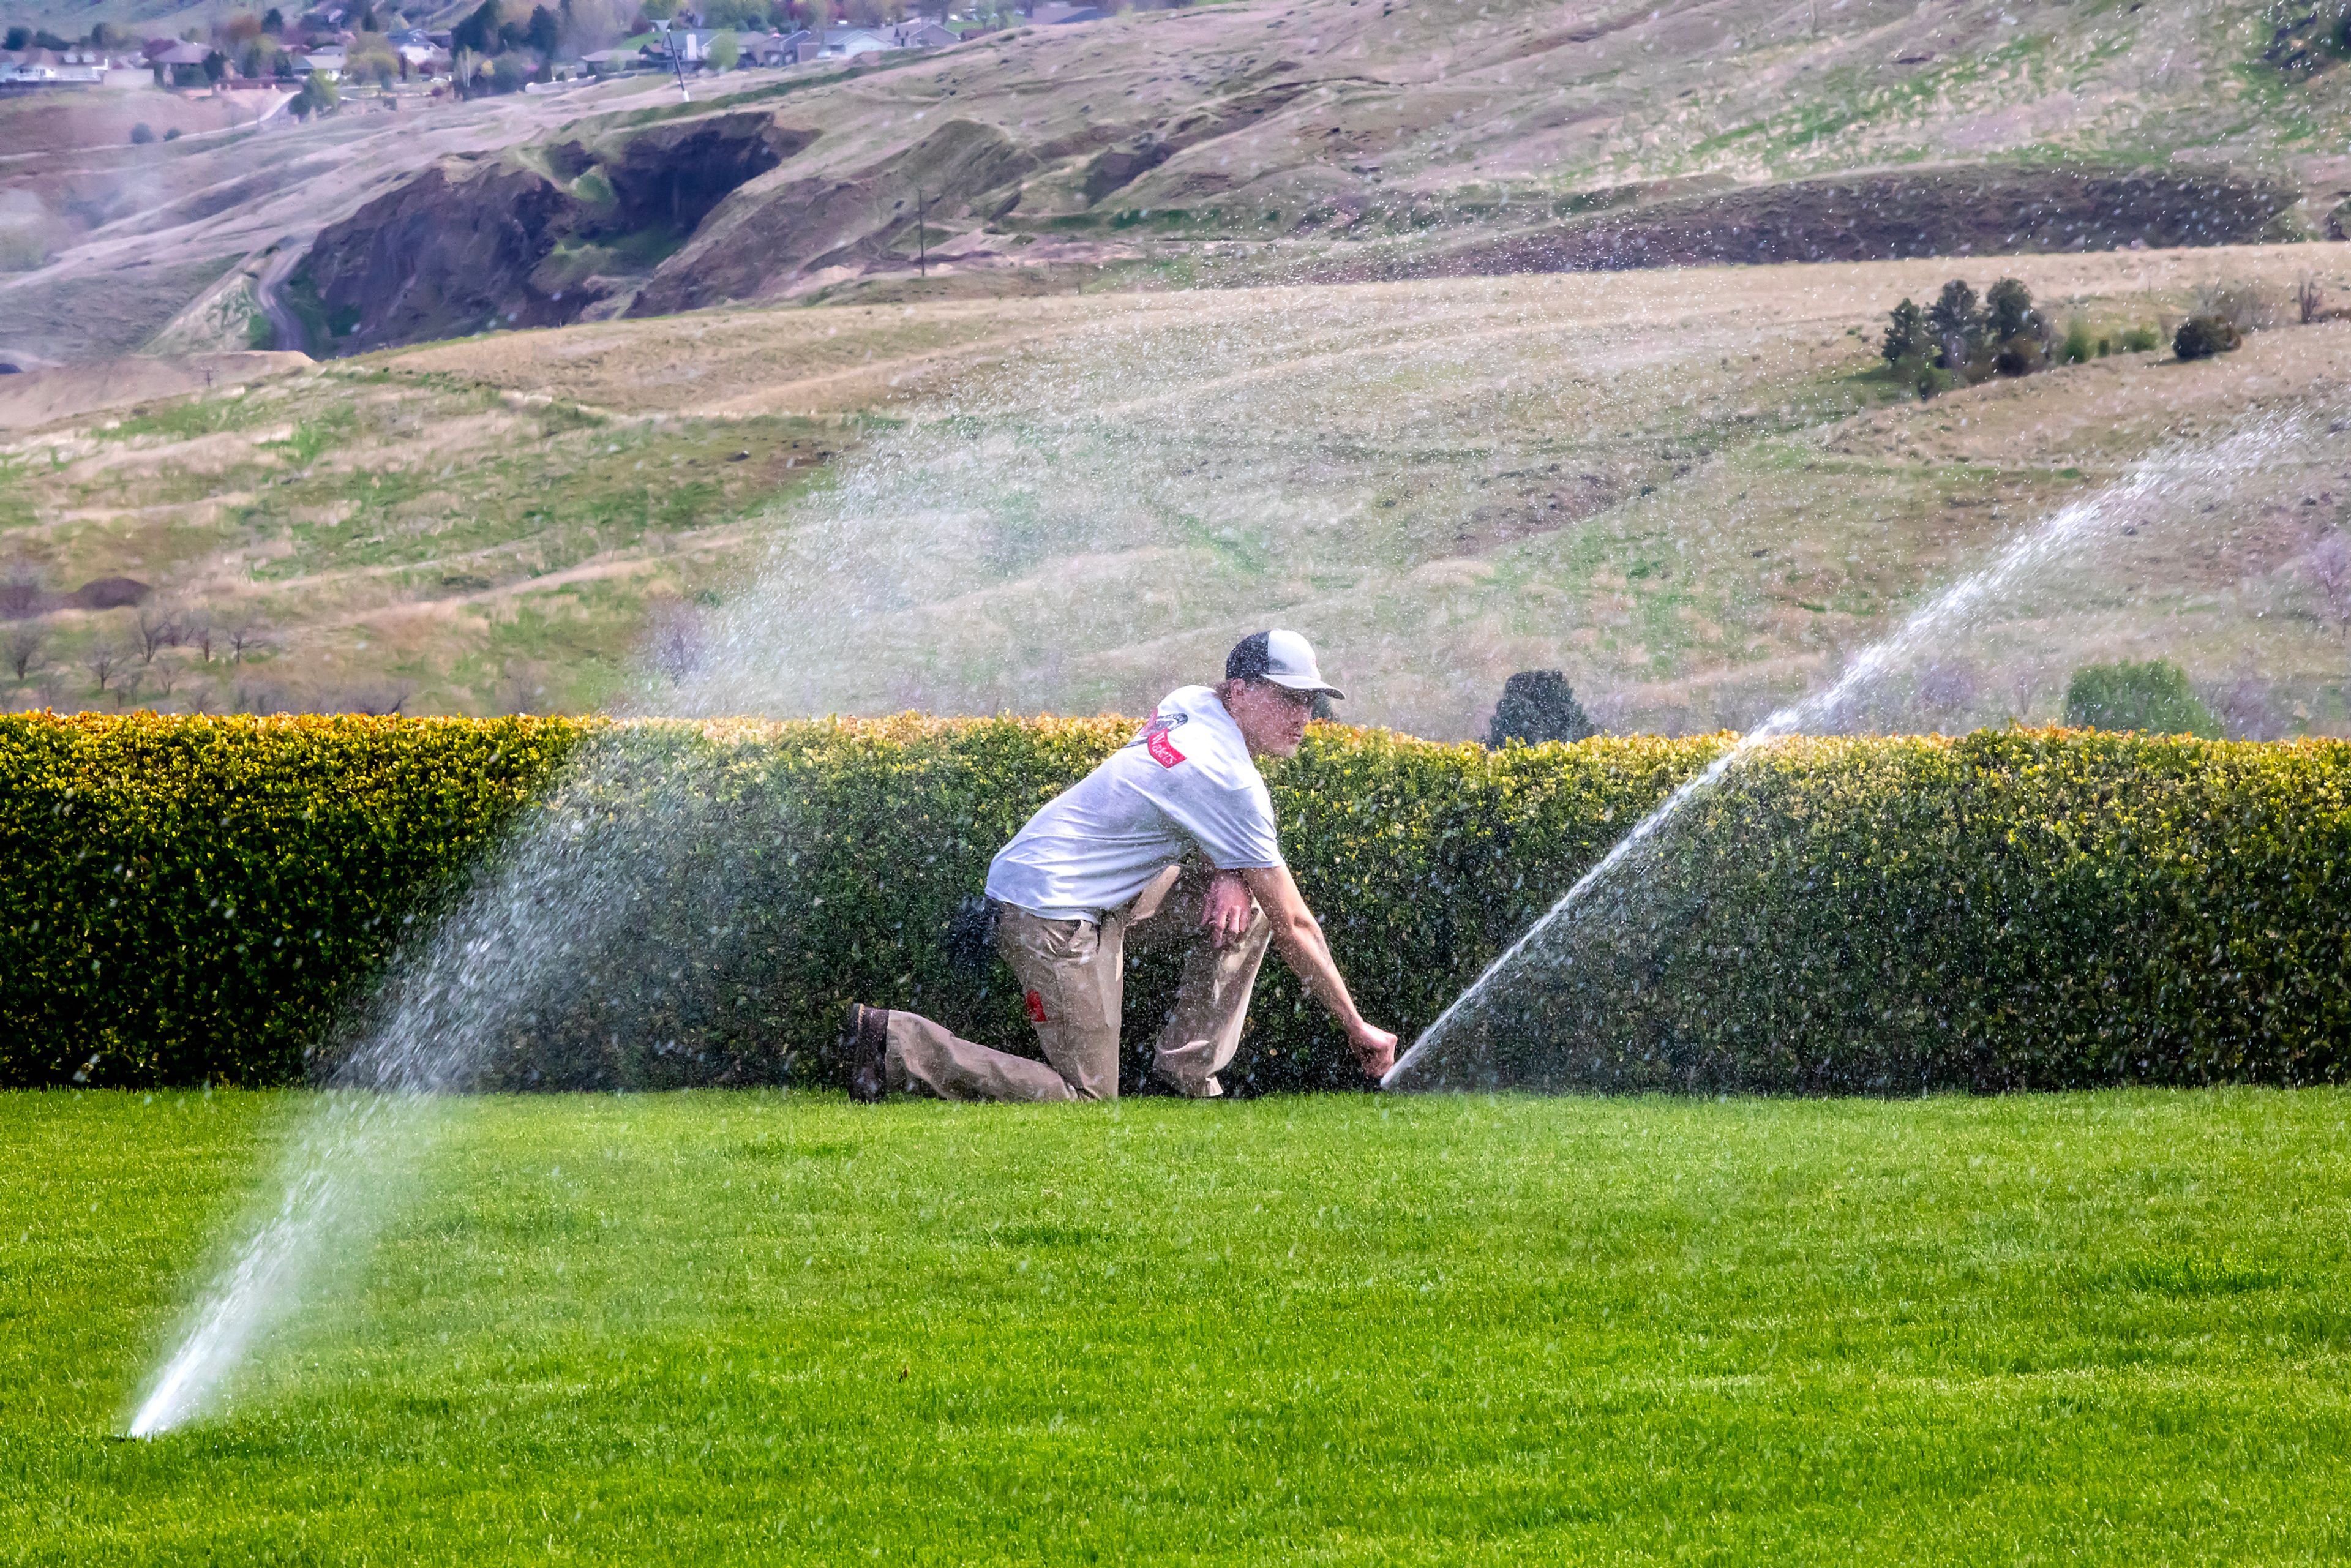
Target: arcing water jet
x,y
1455,1051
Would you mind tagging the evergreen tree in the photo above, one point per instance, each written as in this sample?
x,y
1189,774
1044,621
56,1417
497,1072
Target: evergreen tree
x,y
1955,323
545,37
1906,335
2008,311
1538,705
478,33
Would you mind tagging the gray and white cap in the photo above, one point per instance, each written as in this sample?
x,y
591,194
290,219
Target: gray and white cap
x,y
1285,658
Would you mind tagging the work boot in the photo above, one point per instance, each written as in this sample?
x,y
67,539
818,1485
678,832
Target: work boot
x,y
865,1042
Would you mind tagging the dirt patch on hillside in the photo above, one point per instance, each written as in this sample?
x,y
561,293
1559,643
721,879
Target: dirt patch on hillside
x,y
1891,217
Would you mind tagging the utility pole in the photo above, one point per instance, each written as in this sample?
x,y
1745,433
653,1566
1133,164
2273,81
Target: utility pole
x,y
670,38
922,240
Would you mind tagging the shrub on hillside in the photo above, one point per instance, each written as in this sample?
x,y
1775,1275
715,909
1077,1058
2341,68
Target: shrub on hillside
x,y
2020,356
203,898
142,134
2153,697
2201,337
2141,339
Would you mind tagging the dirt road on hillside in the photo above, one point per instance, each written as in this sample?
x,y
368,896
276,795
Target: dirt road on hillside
x,y
285,326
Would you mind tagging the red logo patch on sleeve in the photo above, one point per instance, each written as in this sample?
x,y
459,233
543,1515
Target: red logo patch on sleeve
x,y
1155,740
1036,1007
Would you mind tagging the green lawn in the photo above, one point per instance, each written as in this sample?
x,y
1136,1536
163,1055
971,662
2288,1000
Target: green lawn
x,y
767,1327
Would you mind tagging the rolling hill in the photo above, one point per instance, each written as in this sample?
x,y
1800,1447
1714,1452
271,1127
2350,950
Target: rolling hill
x,y
1470,339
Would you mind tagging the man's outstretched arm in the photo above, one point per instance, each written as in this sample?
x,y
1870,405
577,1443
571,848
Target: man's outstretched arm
x,y
1298,937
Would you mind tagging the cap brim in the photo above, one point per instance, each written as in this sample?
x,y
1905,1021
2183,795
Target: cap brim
x,y
1296,685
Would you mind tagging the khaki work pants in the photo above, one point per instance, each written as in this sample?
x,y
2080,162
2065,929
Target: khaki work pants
x,y
1073,975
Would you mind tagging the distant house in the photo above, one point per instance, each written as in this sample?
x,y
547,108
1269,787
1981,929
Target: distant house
x,y
687,46
408,36
324,19
35,68
1057,13
328,63
611,62
423,60
851,41
773,48
182,65
922,34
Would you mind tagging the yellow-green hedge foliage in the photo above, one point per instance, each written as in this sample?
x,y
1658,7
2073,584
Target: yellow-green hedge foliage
x,y
192,898
2012,909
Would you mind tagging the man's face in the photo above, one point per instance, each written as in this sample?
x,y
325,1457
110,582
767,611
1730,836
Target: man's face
x,y
1272,720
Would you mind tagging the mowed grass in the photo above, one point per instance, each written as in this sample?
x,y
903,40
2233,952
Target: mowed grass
x,y
776,1327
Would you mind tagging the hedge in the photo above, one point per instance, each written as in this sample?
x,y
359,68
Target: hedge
x,y
662,903
2009,910
191,899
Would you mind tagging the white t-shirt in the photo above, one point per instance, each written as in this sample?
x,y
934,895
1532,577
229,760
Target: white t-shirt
x,y
1185,782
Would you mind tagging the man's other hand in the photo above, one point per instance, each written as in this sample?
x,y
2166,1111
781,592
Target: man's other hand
x,y
1374,1050
1226,911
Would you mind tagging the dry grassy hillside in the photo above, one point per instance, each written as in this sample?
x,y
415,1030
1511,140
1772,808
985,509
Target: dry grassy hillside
x,y
1269,141
1690,488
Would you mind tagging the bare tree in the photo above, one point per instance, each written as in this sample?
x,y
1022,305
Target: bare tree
x,y
2245,706
104,663
1948,687
2328,564
2024,686
24,644
164,677
2236,300
2309,301
381,704
244,639
197,632
157,632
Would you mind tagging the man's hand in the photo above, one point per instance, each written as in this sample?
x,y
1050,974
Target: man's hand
x,y
1298,937
1226,910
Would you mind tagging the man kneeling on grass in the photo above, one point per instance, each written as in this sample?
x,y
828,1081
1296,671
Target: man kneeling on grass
x,y
1103,864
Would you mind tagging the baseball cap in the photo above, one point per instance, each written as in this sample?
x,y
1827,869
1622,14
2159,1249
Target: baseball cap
x,y
1285,658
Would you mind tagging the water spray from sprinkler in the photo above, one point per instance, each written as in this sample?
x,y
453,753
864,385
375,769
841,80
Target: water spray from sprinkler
x,y
2155,484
